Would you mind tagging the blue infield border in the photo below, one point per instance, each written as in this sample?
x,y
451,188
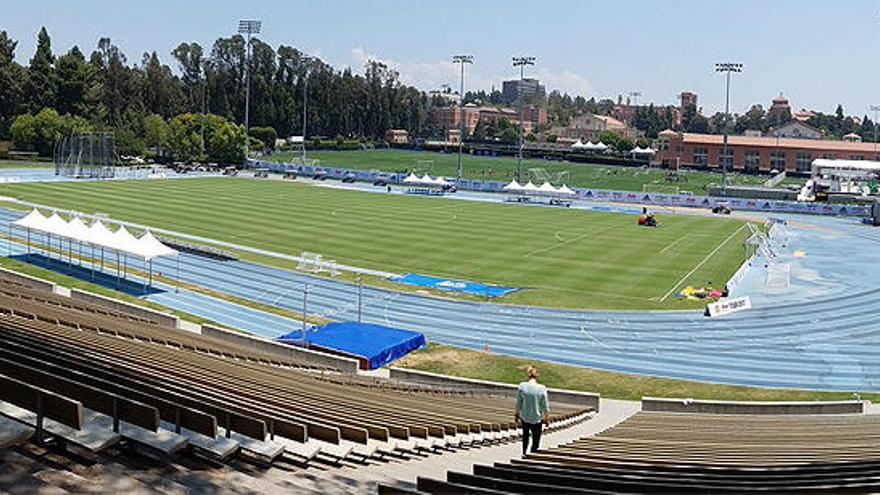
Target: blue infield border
x,y
472,288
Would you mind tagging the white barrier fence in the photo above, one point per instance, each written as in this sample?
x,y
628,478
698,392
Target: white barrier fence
x,y
657,199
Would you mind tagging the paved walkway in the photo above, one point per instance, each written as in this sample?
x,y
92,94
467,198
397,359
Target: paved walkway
x,y
366,479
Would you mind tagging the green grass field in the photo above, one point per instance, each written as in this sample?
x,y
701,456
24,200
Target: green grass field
x,y
560,257
504,169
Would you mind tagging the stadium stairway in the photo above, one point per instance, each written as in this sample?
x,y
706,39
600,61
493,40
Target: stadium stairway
x,y
661,452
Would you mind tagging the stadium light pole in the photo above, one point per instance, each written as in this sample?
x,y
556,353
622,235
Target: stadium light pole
x,y
305,60
635,97
727,68
521,62
462,60
360,297
305,314
875,109
250,28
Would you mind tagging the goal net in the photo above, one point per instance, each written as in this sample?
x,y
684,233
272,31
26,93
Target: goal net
x,y
778,277
660,188
315,263
541,175
423,167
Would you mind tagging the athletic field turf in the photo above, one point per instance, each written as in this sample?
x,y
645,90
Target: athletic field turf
x,y
560,257
504,169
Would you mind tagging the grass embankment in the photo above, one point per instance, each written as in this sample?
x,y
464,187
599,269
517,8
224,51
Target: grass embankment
x,y
488,366
559,257
585,175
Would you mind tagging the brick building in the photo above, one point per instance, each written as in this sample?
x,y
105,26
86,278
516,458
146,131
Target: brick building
x,y
448,118
751,154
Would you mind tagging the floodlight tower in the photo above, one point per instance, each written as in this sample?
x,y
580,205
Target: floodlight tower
x,y
727,68
250,28
635,95
521,62
875,109
305,59
461,59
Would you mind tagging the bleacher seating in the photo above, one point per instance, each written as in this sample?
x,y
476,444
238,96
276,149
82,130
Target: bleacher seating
x,y
654,452
163,390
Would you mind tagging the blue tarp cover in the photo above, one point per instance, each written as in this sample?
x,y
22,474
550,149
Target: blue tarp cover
x,y
377,344
472,288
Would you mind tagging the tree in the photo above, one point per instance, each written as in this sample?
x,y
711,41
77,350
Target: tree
x,y
610,138
42,131
226,142
155,131
75,78
182,141
266,136
41,82
508,135
24,132
480,133
11,77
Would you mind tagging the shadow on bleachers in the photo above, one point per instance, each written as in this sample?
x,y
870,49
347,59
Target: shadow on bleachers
x,y
105,279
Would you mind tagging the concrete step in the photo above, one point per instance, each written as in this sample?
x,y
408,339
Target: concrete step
x,y
13,432
93,437
219,448
17,476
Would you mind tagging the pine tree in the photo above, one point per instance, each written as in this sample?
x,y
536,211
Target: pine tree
x,y
41,82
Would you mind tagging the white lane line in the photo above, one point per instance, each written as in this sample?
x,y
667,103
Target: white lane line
x,y
674,243
558,244
688,274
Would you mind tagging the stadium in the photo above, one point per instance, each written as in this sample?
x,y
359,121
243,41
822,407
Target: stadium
x,y
194,304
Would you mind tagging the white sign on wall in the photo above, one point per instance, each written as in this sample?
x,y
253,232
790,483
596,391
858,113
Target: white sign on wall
x,y
729,305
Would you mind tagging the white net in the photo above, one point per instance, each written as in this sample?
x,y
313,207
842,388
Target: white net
x,y
310,262
778,277
660,188
315,263
423,167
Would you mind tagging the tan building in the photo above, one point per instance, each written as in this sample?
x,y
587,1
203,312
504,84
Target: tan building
x,y
796,129
397,136
588,127
448,118
756,154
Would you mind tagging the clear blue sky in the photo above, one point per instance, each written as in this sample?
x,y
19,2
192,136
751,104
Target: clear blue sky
x,y
818,53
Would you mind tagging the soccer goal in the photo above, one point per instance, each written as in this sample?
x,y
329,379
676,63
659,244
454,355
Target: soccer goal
x,y
315,263
423,167
660,188
541,175
778,277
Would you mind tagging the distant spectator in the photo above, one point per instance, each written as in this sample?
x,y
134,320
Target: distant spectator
x,y
532,409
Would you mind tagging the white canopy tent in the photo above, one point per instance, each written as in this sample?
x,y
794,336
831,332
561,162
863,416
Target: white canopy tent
x,y
514,186
547,188
98,235
578,145
642,151
566,191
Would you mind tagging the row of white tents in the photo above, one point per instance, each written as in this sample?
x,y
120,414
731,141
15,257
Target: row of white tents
x,y
98,235
425,181
545,189
600,146
589,146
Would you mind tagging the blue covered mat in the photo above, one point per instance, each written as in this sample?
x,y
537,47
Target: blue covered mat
x,y
472,288
375,344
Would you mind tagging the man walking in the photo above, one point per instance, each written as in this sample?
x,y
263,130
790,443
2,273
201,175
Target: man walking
x,y
532,408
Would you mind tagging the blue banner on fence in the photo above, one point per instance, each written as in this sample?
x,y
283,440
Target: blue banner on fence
x,y
472,288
